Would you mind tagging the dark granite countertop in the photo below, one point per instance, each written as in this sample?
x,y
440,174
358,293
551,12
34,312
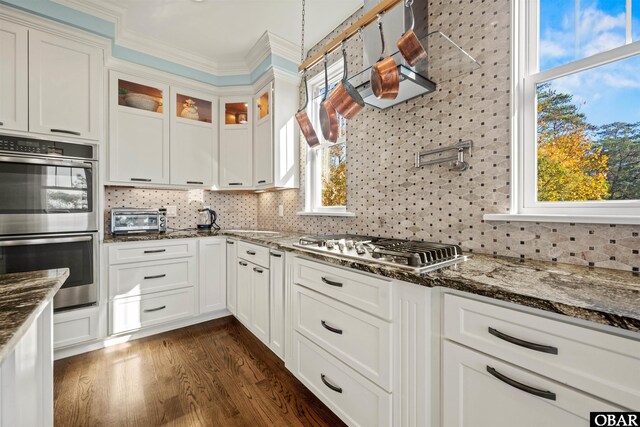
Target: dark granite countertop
x,y
23,296
609,297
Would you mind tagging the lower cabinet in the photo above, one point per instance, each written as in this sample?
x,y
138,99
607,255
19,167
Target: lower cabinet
x,y
481,391
75,326
253,306
232,275
213,274
277,306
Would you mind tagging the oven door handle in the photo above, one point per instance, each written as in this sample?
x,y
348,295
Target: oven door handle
x,y
45,241
46,162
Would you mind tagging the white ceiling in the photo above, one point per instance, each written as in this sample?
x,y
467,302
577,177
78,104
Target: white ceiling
x,y
217,33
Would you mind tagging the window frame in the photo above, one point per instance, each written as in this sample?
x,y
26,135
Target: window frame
x,y
313,171
525,78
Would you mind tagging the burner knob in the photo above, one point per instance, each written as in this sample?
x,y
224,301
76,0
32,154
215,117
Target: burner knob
x,y
350,244
331,244
341,245
360,249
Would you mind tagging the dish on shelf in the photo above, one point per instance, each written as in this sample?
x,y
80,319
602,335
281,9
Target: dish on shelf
x,y
141,101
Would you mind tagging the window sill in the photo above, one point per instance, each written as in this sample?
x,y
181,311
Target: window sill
x,y
577,219
344,214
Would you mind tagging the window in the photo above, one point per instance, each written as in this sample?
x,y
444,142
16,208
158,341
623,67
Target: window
x,y
326,171
577,109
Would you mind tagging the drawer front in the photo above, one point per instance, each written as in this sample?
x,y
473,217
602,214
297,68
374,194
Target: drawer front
x,y
138,312
127,280
76,326
592,361
353,398
256,254
137,252
359,339
478,392
361,291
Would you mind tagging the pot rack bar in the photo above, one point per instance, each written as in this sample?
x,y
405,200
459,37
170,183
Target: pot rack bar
x,y
460,146
367,19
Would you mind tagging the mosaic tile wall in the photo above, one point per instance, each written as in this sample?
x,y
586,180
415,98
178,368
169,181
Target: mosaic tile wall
x,y
390,197
234,210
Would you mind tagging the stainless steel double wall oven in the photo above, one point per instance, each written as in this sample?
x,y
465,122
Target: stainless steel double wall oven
x,y
48,213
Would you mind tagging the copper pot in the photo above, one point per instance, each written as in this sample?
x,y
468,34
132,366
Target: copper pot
x,y
409,44
328,115
345,98
385,78
303,119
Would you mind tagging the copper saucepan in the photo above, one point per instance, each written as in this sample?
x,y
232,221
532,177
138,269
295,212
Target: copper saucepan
x,y
328,115
385,79
303,119
409,44
345,98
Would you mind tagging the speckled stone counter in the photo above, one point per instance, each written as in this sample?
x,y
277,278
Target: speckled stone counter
x,y
604,296
23,296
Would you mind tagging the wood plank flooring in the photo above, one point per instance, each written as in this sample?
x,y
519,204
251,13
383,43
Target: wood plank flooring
x,y
212,374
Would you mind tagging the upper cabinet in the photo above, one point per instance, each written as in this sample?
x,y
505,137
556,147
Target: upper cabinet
x,y
138,130
194,138
49,84
276,137
14,87
64,86
236,148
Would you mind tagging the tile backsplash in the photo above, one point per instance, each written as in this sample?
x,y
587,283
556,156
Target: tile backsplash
x,y
391,197
234,210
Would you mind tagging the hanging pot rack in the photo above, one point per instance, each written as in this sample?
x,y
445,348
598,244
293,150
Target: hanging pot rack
x,y
334,44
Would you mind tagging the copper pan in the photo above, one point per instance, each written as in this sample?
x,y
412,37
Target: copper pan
x,y
409,44
303,119
345,98
385,78
328,115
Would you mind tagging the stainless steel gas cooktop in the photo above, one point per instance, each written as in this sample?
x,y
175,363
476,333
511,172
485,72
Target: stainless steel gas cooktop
x,y
419,257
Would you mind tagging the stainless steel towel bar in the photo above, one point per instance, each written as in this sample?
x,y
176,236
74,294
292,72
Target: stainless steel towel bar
x,y
457,161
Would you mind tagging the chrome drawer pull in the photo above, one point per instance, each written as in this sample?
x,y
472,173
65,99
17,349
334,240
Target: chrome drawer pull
x,y
329,328
331,282
331,386
141,179
545,394
155,309
251,252
262,182
276,255
235,183
70,132
229,242
155,251
195,182
530,345
159,276
244,264
257,270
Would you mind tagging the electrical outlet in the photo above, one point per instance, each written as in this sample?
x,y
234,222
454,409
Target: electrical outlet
x,y
281,210
172,211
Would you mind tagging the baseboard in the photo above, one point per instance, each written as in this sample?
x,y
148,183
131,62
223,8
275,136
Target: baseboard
x,y
64,352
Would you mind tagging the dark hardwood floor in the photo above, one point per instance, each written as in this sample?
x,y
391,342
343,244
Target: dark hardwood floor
x,y
212,374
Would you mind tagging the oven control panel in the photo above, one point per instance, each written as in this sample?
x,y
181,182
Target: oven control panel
x,y
43,147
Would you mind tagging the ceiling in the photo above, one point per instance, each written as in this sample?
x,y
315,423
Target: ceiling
x,y
216,35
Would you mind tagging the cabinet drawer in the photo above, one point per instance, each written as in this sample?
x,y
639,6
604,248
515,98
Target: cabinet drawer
x,y
593,361
361,291
124,252
127,280
352,397
359,339
254,253
75,326
474,397
138,312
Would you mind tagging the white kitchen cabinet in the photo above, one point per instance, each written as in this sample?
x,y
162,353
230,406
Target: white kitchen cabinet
x,y
26,376
232,276
213,275
194,138
243,289
236,143
139,130
260,303
76,326
481,391
14,98
65,86
277,306
275,136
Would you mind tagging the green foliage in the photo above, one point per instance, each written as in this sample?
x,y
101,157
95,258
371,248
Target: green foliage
x,y
621,143
334,183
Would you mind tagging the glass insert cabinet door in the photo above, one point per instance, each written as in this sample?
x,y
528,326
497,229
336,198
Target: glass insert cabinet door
x,y
236,113
139,96
192,108
262,105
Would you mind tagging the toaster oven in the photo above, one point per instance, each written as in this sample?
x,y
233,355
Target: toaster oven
x,y
134,220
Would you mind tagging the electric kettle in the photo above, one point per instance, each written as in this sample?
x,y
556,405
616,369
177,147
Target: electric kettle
x,y
208,218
